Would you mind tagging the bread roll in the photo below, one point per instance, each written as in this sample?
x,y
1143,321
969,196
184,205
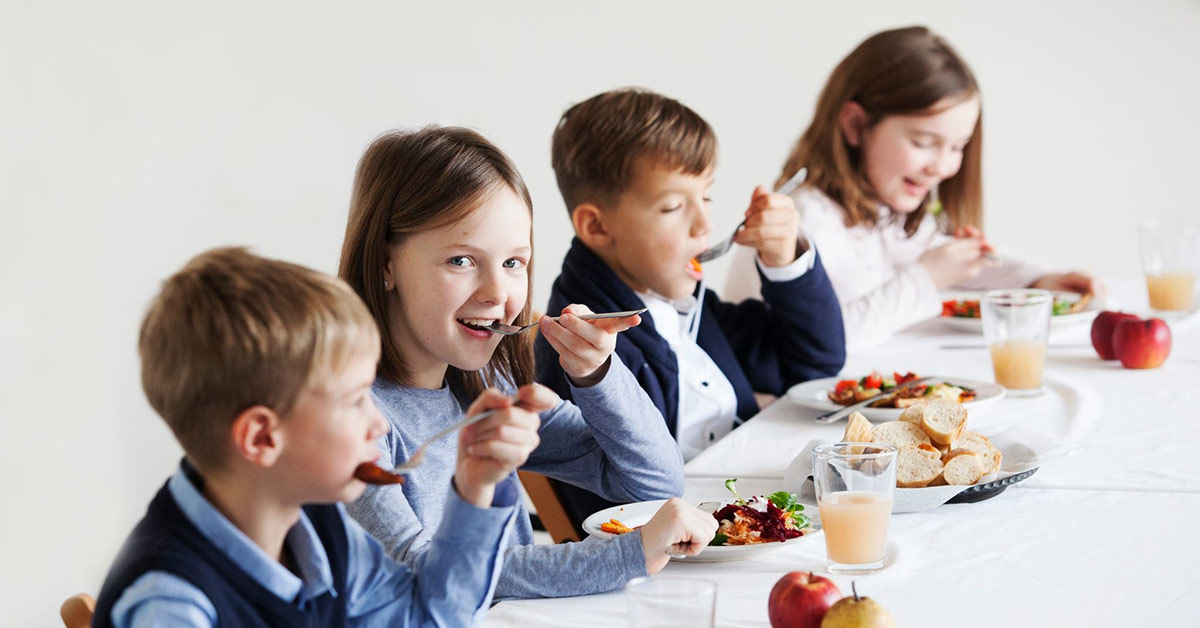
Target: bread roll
x,y
917,465
943,420
899,433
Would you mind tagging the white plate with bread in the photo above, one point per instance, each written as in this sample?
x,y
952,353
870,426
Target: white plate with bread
x,y
815,394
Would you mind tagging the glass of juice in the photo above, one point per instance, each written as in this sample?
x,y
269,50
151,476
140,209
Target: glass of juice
x,y
1016,324
664,601
856,485
1171,261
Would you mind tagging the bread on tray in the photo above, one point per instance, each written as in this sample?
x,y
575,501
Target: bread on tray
x,y
934,448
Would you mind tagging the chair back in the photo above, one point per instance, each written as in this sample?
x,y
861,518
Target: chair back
x,y
77,611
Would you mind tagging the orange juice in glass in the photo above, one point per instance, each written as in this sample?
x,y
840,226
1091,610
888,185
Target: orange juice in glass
x,y
1171,262
856,485
1016,324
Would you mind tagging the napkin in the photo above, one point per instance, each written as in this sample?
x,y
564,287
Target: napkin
x,y
1022,449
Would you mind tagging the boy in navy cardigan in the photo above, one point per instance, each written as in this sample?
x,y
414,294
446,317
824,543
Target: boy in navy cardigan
x,y
635,169
263,371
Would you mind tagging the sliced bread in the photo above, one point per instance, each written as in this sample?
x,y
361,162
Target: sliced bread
x,y
858,429
899,433
943,420
963,468
917,465
980,444
914,413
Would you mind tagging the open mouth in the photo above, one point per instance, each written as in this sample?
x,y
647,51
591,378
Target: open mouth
x,y
478,324
693,269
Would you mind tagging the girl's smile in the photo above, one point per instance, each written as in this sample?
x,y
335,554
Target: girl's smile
x,y
452,281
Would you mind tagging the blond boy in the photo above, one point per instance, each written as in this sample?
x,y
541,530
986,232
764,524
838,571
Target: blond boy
x,y
262,369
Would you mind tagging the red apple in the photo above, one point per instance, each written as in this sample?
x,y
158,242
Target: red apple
x,y
800,599
1142,344
1102,332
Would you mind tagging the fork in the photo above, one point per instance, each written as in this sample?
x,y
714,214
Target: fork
x,y
512,330
722,247
418,457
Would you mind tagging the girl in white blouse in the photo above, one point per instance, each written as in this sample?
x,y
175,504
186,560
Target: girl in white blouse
x,y
897,126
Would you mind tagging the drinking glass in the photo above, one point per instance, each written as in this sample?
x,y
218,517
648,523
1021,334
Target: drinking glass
x,y
856,484
666,601
1171,261
1016,324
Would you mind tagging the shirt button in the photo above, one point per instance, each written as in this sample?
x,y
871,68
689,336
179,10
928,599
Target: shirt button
x,y
704,384
711,437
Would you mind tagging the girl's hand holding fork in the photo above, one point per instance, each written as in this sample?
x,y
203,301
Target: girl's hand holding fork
x,y
492,449
584,346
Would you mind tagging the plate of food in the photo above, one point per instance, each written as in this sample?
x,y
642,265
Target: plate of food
x,y
831,393
747,528
960,310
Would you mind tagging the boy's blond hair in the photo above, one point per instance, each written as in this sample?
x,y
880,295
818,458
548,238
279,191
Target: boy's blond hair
x,y
598,143
232,330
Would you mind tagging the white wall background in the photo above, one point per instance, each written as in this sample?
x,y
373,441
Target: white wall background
x,y
133,136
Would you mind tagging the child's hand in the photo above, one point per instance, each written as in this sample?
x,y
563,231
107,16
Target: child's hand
x,y
1082,283
584,346
772,227
490,450
956,261
677,528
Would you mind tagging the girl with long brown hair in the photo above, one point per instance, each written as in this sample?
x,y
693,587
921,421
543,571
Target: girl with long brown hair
x,y
439,246
897,137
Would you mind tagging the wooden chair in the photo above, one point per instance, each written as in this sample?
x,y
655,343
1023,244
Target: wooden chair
x,y
77,611
549,509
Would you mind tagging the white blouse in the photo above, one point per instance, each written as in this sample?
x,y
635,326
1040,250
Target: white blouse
x,y
875,271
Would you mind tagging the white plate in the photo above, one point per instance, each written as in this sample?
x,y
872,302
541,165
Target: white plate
x,y
975,325
815,394
639,513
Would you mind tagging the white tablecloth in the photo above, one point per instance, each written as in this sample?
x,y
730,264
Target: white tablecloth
x,y
1103,535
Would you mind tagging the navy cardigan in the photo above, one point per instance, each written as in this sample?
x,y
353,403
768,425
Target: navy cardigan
x,y
793,335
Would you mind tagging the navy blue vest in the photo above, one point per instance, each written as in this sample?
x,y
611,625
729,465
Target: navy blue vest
x,y
165,540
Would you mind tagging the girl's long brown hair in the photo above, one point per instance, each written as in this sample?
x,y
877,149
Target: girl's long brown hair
x,y
412,181
901,71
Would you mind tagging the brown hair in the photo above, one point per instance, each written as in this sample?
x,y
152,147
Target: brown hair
x,y
412,181
232,330
598,142
901,71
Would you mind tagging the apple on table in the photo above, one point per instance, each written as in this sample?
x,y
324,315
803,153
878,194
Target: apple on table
x,y
800,599
1137,343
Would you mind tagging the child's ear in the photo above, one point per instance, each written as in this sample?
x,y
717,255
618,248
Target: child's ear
x,y
256,435
853,119
588,220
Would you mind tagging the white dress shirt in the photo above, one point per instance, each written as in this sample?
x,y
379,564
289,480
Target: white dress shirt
x,y
707,407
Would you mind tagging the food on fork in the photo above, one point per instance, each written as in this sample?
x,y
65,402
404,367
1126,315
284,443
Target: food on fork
x,y
372,473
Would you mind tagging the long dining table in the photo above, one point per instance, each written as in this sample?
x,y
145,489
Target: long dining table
x,y
1105,533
